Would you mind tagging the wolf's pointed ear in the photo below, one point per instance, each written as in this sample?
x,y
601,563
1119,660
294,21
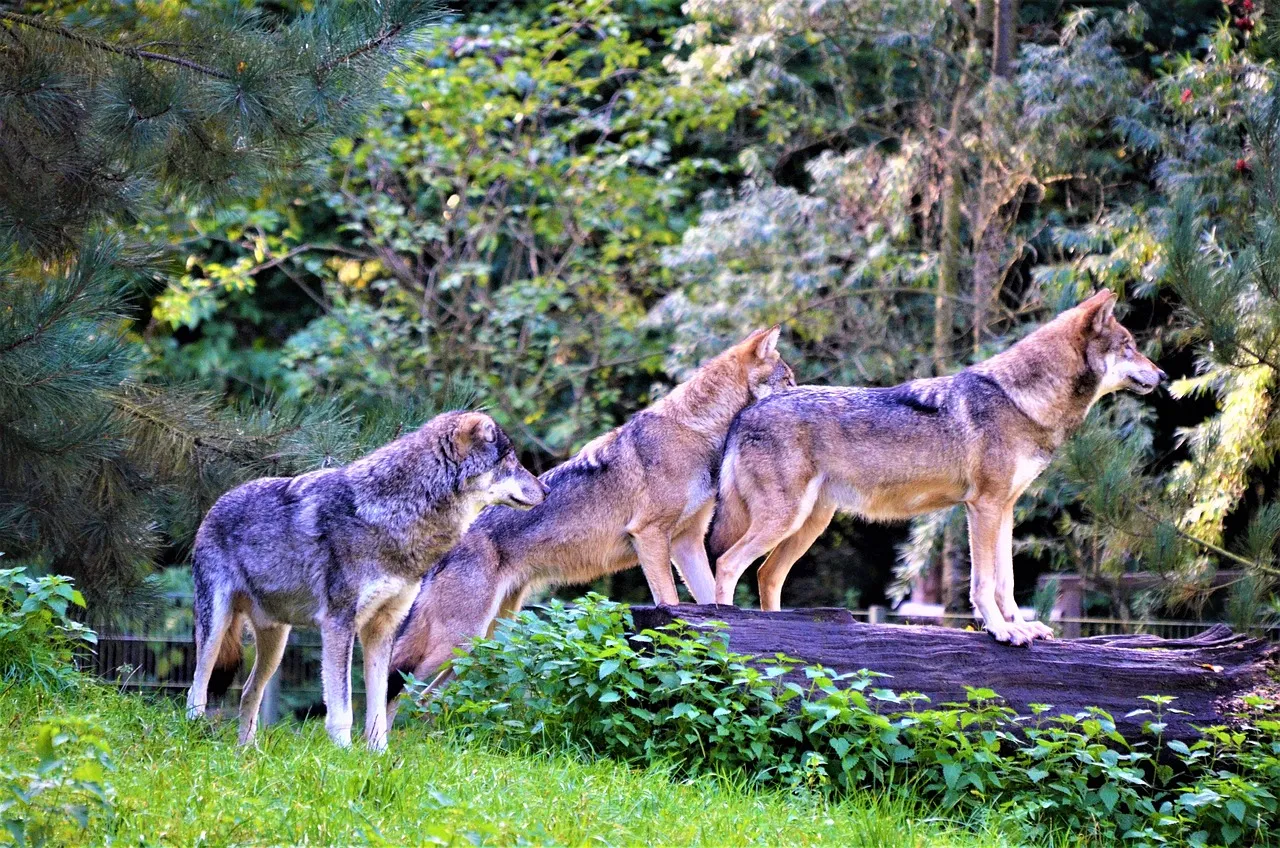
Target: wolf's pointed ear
x,y
767,346
472,427
1098,309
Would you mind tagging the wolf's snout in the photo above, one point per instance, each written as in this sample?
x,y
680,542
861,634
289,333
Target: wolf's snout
x,y
532,492
1147,382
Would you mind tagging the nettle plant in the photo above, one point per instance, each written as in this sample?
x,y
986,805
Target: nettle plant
x,y
54,802
38,637
581,678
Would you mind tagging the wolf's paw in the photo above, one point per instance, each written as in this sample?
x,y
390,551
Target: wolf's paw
x,y
1018,632
377,744
1010,632
1039,630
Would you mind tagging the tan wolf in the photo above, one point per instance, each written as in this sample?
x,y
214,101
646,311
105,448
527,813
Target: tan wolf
x,y
642,493
978,437
342,548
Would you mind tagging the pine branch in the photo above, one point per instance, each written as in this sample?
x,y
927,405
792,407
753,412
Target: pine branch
x,y
99,44
372,44
51,321
1210,546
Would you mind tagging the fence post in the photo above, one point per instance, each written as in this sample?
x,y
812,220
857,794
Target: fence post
x,y
877,614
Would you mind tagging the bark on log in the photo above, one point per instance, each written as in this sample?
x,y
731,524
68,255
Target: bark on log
x,y
1209,674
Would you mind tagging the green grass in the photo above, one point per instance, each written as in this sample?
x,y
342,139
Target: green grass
x,y
185,783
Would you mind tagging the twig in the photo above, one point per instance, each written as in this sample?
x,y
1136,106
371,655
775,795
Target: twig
x,y
372,44
1210,546
98,44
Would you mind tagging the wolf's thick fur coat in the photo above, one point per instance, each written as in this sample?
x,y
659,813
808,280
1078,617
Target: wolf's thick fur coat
x,y
978,437
642,493
344,549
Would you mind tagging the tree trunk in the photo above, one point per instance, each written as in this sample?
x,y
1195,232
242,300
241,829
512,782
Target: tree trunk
x,y
1209,674
984,22
949,241
986,264
1005,35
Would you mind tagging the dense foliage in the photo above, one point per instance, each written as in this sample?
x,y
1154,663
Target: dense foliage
x,y
557,209
103,462
581,679
38,636
563,207
169,781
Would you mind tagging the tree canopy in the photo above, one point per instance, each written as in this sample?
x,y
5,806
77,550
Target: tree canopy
x,y
559,208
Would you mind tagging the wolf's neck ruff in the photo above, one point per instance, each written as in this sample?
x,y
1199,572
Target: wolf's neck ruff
x,y
708,401
1047,378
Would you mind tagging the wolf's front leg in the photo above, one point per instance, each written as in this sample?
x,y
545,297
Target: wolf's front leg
x,y
653,548
986,521
1003,588
376,638
336,640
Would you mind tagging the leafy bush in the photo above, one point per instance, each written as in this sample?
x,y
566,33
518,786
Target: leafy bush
x,y
37,637
66,788
581,679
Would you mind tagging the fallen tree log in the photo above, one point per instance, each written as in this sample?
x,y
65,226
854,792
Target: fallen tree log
x,y
1209,674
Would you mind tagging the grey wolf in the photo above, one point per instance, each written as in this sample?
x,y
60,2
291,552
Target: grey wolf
x,y
641,493
978,437
344,549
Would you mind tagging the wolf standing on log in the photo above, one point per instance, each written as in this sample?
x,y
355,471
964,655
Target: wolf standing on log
x,y
343,548
978,437
642,493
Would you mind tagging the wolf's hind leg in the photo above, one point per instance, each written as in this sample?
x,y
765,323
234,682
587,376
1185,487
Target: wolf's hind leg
x,y
773,571
689,553
337,640
765,533
269,642
214,618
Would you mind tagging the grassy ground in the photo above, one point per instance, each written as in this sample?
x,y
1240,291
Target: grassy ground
x,y
181,783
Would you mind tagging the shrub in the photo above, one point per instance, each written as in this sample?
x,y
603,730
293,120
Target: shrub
x,y
580,678
37,636
66,789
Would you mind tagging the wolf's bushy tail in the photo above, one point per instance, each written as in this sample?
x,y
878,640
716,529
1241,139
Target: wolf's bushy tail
x,y
230,651
732,519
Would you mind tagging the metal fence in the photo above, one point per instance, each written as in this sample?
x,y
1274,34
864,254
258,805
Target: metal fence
x,y
165,662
